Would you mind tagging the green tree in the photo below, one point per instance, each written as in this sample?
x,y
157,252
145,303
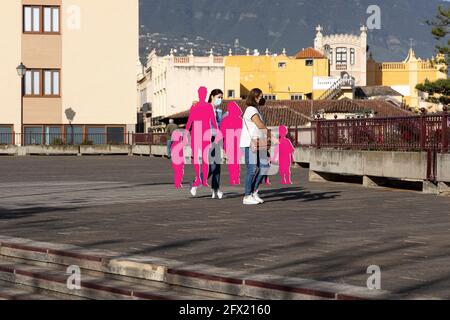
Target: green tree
x,y
440,30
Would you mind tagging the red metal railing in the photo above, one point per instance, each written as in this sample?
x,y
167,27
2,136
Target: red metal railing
x,y
67,139
418,133
149,138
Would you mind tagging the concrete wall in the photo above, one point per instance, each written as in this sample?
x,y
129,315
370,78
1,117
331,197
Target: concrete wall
x,y
443,170
398,165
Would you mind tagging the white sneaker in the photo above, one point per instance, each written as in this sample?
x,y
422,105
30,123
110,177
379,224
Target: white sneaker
x,y
213,194
194,191
249,200
257,198
219,194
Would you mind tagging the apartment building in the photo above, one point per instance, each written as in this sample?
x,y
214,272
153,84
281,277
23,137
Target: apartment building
x,y
279,76
79,79
169,84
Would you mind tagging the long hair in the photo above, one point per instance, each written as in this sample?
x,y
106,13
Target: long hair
x,y
214,93
251,99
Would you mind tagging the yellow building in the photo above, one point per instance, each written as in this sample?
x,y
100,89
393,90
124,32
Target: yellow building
x,y
280,77
404,76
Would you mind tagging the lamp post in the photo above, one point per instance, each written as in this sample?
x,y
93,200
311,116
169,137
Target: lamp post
x,y
21,70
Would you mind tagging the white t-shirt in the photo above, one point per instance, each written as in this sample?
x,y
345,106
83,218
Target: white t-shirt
x,y
249,128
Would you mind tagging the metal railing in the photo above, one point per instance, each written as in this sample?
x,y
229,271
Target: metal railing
x,y
417,133
413,133
60,139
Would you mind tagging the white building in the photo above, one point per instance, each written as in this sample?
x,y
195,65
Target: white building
x,y
169,84
347,53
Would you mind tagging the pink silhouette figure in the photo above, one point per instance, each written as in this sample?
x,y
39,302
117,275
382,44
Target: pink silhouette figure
x,y
284,155
231,128
201,118
178,160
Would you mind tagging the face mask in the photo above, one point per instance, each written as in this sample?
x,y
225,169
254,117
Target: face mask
x,y
262,102
218,102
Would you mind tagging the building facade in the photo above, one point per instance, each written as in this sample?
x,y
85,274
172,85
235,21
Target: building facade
x,y
404,76
171,82
280,77
347,53
80,79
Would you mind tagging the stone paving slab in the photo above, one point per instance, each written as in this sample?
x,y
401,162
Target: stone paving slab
x,y
322,231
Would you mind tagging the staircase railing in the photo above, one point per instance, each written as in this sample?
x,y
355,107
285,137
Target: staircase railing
x,y
336,88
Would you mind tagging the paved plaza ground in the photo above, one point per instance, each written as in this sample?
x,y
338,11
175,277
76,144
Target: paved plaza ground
x,y
322,231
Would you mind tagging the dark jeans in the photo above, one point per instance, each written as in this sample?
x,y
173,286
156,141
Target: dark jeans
x,y
169,149
257,164
215,167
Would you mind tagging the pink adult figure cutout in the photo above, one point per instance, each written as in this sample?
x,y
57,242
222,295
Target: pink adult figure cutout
x,y
178,160
231,128
201,118
284,153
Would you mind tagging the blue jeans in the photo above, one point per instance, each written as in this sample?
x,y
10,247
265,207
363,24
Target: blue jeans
x,y
257,164
169,149
215,168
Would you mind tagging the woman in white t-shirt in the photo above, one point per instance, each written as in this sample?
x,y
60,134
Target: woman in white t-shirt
x,y
253,127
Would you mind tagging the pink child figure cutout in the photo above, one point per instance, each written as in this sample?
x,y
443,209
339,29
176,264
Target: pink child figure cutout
x,y
201,119
178,160
231,128
284,153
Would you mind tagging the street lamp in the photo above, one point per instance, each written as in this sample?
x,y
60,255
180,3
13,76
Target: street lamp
x,y
21,70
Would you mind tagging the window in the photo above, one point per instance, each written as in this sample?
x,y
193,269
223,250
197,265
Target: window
x,y
51,82
282,65
33,135
95,135
352,56
33,83
231,94
74,135
341,56
309,62
41,19
296,97
49,79
32,19
53,136
331,56
115,135
6,135
270,97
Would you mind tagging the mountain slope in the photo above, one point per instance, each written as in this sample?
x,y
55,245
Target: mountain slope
x,y
286,24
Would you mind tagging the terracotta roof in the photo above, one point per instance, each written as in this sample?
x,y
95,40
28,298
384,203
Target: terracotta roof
x,y
274,115
309,53
298,113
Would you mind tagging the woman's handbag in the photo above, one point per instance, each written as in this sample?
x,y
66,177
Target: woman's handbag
x,y
257,143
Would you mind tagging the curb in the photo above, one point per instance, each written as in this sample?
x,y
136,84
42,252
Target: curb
x,y
201,277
